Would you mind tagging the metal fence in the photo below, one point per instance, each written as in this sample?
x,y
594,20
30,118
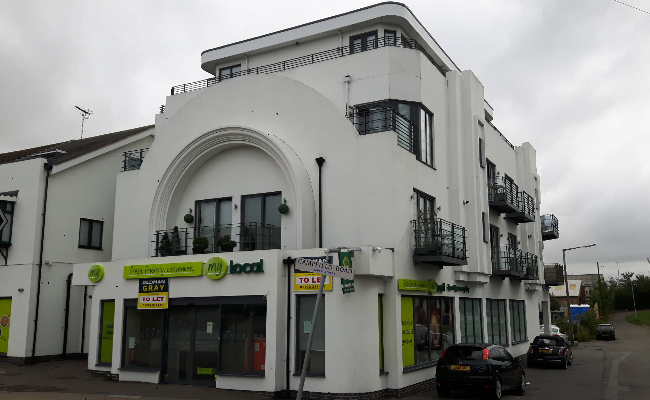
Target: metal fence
x,y
443,237
133,159
380,119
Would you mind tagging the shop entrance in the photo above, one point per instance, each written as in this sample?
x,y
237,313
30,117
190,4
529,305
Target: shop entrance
x,y
192,344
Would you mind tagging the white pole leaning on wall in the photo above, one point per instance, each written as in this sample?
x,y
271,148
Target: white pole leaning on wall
x,y
305,363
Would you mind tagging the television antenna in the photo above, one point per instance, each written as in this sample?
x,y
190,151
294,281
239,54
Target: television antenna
x,y
85,114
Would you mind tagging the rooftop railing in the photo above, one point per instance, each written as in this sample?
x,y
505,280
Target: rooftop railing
x,y
133,159
381,119
387,41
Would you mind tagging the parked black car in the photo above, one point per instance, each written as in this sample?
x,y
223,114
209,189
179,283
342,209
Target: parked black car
x,y
547,349
605,331
479,366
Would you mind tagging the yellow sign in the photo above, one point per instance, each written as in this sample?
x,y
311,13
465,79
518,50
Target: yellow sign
x,y
216,268
153,293
408,332
303,281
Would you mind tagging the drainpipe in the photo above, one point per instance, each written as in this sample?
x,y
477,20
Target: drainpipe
x,y
48,168
68,287
320,161
347,80
83,321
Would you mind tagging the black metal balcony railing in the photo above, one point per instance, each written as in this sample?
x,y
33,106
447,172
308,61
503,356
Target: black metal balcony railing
x,y
550,229
530,266
223,238
525,209
553,274
503,195
308,60
381,119
439,242
133,159
508,262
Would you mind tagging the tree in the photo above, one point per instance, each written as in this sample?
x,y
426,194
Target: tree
x,y
555,304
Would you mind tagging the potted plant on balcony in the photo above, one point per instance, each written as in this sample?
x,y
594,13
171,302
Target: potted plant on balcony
x,y
199,245
165,247
226,244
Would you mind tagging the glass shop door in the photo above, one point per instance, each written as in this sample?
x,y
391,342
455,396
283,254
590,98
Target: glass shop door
x,y
192,344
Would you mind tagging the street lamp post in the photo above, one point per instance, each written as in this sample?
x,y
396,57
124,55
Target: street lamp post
x,y
566,284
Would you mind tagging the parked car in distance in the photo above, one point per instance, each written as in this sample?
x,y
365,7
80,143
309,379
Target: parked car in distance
x,y
555,331
479,366
605,331
548,349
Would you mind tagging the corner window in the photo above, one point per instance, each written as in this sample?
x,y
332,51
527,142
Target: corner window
x,y
390,38
90,234
363,42
229,72
6,219
518,321
495,312
305,310
470,321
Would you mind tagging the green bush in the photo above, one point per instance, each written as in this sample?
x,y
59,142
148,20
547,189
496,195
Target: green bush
x,y
583,334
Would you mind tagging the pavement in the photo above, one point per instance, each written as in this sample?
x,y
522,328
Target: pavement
x,y
71,380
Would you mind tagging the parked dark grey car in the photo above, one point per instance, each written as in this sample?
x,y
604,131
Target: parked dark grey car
x,y
547,349
605,331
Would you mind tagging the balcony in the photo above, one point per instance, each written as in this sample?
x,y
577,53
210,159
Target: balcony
x,y
508,262
219,239
553,274
310,59
439,242
381,119
550,228
503,195
530,266
525,209
133,159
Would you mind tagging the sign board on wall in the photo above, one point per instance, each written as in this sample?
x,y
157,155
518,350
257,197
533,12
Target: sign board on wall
x,y
163,270
324,268
430,286
408,332
153,293
309,281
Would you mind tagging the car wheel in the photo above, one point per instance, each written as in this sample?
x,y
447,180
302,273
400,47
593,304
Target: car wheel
x,y
521,389
565,364
443,391
497,390
571,360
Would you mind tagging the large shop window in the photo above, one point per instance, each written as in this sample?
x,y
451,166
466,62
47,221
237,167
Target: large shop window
x,y
90,234
243,338
262,221
495,311
7,211
518,321
470,320
214,221
106,324
427,329
305,310
143,336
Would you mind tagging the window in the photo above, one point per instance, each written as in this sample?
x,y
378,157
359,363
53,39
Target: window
x,y
261,221
243,338
518,321
426,137
213,221
390,38
495,312
481,152
427,329
363,42
470,320
380,315
513,242
491,173
425,204
106,324
229,72
6,214
485,227
305,310
90,234
425,218
406,42
142,346
494,245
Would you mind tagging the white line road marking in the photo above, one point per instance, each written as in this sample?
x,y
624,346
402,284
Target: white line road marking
x,y
611,392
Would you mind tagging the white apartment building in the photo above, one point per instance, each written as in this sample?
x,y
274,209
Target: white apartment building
x,y
354,139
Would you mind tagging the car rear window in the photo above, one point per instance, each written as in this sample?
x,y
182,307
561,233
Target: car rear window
x,y
464,353
547,342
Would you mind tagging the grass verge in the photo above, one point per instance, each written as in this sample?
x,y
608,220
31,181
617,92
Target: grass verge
x,y
644,318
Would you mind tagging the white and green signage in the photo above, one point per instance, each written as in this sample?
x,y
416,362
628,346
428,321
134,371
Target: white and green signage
x,y
216,268
163,270
96,273
430,286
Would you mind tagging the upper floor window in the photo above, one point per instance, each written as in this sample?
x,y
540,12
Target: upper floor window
x,y
363,42
229,72
491,173
426,137
261,221
390,38
90,234
214,222
424,204
6,221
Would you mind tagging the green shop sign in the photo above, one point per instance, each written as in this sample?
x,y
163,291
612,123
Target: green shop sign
x,y
163,270
430,286
216,268
246,267
96,273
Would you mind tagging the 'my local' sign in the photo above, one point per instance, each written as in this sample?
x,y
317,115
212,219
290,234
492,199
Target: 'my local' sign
x,y
324,268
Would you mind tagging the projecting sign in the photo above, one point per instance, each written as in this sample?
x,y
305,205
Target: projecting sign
x,y
324,268
153,293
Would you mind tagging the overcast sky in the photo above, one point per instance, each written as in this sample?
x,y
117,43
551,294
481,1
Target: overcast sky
x,y
571,77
